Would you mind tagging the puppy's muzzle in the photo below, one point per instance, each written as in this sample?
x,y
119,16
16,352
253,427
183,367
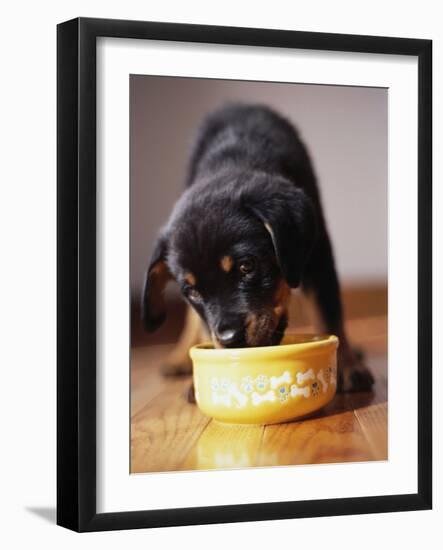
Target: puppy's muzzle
x,y
229,337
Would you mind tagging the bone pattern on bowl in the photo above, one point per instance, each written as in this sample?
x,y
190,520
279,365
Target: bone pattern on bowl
x,y
264,389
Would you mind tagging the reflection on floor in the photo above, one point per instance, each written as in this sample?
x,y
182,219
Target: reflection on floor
x,y
169,434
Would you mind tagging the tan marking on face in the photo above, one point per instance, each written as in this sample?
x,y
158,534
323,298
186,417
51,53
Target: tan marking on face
x,y
251,328
190,279
227,263
281,299
259,328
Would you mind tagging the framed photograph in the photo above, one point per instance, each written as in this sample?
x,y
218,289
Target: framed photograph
x,y
244,274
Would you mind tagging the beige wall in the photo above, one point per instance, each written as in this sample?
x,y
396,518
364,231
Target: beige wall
x,y
345,129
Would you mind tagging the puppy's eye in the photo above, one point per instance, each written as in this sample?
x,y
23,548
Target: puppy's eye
x,y
193,295
247,267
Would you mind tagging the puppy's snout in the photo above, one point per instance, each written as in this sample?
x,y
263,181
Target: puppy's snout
x,y
228,336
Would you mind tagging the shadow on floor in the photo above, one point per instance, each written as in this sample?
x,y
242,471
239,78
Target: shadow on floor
x,y
46,513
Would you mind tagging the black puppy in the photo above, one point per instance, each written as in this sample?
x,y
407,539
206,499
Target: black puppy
x,y
247,229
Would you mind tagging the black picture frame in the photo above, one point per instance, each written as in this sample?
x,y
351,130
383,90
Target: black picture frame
x,y
76,277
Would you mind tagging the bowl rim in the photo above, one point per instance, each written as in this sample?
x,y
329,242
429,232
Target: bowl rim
x,y
206,349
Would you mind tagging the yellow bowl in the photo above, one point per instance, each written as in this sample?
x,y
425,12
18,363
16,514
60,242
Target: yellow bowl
x,y
266,385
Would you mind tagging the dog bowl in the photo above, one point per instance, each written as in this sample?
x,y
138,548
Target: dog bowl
x,y
268,384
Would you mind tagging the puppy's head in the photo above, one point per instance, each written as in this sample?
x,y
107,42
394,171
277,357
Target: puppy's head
x,y
235,248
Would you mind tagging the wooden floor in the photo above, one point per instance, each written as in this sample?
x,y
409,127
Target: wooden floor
x,y
169,434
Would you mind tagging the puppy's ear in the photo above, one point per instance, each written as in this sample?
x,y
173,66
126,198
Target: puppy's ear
x,y
153,310
289,216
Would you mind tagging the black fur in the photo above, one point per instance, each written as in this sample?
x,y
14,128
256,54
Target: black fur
x,y
251,194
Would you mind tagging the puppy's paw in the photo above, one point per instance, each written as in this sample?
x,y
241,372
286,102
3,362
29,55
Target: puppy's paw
x,y
177,367
353,375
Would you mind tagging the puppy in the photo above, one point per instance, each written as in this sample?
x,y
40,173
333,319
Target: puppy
x,y
248,228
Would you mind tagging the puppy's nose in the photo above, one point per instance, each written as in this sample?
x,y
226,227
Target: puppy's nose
x,y
227,337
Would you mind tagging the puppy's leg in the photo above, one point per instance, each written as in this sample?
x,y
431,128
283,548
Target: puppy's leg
x,y
178,361
321,288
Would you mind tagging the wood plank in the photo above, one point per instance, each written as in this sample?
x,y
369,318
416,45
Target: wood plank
x,y
374,423
224,446
169,434
146,378
328,439
370,333
163,432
